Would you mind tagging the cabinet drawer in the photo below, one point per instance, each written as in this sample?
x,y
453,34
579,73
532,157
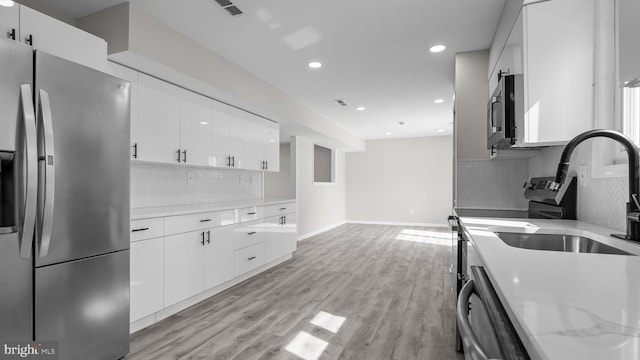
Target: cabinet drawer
x,y
249,213
146,229
279,209
249,258
192,222
248,234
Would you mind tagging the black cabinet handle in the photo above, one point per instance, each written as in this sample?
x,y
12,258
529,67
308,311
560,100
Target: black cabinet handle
x,y
140,229
284,219
205,220
135,150
251,233
29,40
12,34
228,161
184,152
266,165
282,209
178,155
233,161
251,258
208,236
202,241
251,213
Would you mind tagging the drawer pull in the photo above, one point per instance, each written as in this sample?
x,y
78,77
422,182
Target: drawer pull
x,y
251,213
251,258
251,233
205,220
140,229
282,209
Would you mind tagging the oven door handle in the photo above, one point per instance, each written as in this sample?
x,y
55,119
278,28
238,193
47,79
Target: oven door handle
x,y
472,348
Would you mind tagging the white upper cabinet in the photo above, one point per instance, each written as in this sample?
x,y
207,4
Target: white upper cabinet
x,y
132,77
559,71
510,60
263,144
237,144
159,120
196,128
254,132
271,146
221,120
61,39
10,22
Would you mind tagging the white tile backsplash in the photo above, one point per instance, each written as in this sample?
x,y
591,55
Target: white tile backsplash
x,y
493,184
164,185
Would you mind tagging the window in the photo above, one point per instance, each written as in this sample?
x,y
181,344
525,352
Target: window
x,y
323,165
631,113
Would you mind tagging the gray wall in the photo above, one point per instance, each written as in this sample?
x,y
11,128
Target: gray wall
x,y
321,164
404,181
282,184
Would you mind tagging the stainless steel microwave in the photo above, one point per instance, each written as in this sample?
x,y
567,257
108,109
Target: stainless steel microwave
x,y
505,108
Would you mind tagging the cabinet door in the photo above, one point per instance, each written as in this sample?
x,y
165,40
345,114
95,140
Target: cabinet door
x,y
271,145
219,256
559,70
253,135
236,137
196,128
272,238
220,134
132,77
159,120
183,266
10,21
63,40
146,278
290,233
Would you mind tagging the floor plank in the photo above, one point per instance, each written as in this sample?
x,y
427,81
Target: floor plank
x,y
355,292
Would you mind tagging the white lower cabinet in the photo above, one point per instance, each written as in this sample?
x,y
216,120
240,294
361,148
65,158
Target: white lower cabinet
x,y
146,278
219,257
290,233
272,238
249,258
183,266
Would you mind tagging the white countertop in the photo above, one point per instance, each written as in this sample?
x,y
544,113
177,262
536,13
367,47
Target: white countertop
x,y
159,211
564,305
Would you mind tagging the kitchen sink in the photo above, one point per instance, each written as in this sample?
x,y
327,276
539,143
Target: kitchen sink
x,y
558,242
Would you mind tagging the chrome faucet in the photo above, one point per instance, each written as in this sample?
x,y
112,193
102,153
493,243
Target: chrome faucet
x,y
633,207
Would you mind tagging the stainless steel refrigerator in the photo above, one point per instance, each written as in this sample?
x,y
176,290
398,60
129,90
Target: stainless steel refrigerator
x,y
64,205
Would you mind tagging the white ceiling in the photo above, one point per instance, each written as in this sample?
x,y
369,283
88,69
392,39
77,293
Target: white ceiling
x,y
374,52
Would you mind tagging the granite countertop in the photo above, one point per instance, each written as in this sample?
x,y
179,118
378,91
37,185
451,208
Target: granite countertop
x,y
564,305
159,211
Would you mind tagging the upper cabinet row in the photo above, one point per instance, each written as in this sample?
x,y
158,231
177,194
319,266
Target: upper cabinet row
x,y
53,36
553,44
175,126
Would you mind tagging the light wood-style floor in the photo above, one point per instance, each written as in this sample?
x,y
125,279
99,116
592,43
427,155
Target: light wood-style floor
x,y
355,292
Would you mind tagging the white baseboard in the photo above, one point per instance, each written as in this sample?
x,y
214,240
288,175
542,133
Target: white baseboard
x,y
396,223
319,231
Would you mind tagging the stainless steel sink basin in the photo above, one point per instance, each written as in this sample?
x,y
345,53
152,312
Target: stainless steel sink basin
x,y
558,242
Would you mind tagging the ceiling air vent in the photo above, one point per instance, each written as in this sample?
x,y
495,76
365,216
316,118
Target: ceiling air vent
x,y
230,7
341,102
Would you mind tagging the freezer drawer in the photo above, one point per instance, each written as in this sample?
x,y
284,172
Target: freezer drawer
x,y
84,306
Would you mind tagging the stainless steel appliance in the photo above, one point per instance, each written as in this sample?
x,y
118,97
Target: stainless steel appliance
x,y
64,205
504,111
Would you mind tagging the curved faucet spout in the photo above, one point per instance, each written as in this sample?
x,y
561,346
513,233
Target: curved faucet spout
x,y
633,229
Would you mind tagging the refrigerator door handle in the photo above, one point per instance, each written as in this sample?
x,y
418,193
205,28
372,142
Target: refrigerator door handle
x,y
48,172
30,171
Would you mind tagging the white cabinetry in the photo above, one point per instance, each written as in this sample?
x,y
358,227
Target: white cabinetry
x,y
132,77
228,136
219,257
184,266
159,120
271,146
559,71
552,44
290,233
263,144
146,278
54,36
272,238
196,128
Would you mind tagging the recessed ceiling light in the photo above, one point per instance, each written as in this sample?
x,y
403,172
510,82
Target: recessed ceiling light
x,y
360,108
437,48
440,130
7,3
315,64
438,101
204,123
388,133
